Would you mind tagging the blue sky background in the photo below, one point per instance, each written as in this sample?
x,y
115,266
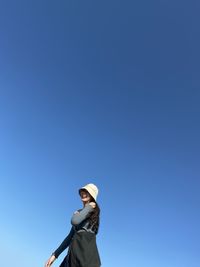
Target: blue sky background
x,y
105,92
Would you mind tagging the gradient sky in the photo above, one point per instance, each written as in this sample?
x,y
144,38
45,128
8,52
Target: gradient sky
x,y
106,92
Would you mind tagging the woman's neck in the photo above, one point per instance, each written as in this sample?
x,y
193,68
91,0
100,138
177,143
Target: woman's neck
x,y
85,203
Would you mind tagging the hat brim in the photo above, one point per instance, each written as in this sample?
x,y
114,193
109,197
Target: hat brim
x,y
84,189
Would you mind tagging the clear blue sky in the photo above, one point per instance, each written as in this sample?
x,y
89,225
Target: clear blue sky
x,y
105,92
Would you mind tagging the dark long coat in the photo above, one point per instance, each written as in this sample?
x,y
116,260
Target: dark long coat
x,y
82,251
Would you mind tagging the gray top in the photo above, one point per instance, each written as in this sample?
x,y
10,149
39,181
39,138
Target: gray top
x,y
81,215
79,222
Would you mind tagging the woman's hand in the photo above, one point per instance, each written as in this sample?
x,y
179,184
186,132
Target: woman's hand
x,y
50,261
76,212
93,204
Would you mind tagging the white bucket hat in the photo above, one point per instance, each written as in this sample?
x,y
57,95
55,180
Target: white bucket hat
x,y
92,190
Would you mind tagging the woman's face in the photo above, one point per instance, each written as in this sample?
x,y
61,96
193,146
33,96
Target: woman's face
x,y
85,196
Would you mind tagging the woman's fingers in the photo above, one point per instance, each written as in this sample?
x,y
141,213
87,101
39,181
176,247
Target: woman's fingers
x,y
76,212
48,263
93,204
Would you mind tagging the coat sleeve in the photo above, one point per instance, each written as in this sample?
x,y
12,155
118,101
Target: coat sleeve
x,y
80,216
64,244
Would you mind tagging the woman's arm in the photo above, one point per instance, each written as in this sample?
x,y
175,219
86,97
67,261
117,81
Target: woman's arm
x,y
80,216
64,244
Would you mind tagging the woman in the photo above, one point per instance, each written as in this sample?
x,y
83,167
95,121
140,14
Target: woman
x,y
81,240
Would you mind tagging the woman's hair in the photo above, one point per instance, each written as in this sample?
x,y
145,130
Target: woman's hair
x,y
94,217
